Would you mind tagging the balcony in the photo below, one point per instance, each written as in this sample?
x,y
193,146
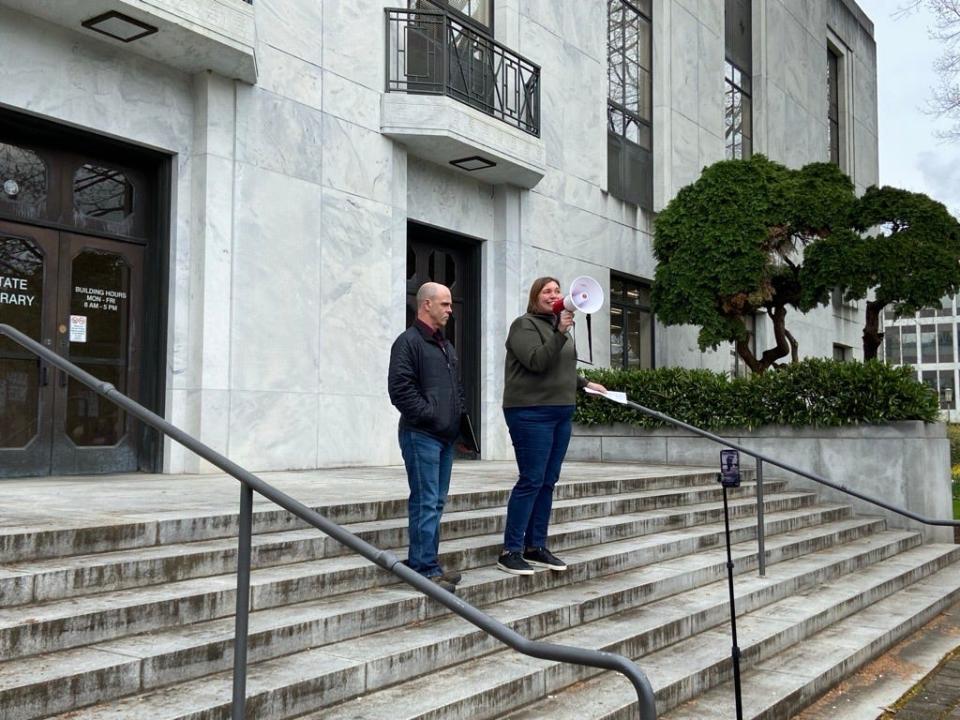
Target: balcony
x,y
191,35
455,96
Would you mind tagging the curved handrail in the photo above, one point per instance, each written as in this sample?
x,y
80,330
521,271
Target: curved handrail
x,y
384,558
791,468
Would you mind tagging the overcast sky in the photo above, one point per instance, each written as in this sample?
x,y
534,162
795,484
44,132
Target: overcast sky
x,y
911,156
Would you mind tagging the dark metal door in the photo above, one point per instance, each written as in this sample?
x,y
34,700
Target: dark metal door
x,y
79,296
450,259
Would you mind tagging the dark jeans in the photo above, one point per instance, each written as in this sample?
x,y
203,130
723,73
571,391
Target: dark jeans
x,y
428,462
540,437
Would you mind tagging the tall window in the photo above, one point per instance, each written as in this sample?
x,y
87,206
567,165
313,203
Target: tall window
x,y
891,345
945,343
833,104
630,101
908,342
631,324
928,343
738,89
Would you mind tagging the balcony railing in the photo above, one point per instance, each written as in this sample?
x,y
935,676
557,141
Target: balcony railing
x,y
434,53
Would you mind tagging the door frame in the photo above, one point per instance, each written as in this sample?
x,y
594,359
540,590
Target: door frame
x,y
469,356
157,169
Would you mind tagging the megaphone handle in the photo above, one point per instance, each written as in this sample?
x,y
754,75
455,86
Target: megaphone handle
x,y
590,338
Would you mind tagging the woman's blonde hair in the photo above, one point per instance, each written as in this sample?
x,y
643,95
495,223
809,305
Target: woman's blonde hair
x,y
539,284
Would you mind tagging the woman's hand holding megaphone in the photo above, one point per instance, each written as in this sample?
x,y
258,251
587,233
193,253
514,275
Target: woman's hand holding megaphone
x,y
565,321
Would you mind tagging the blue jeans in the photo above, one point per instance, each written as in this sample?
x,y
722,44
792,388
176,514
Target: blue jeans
x,y
540,437
428,462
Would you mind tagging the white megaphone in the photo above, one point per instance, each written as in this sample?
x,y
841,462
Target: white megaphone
x,y
585,295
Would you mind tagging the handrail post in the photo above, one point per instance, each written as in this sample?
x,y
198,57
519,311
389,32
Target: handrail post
x,y
761,528
242,625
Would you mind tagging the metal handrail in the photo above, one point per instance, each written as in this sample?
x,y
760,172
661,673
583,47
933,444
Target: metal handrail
x,y
761,458
383,558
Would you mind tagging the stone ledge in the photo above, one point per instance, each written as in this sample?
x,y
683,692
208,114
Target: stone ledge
x,y
906,464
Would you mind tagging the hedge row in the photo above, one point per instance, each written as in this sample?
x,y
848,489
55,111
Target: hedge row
x,y
815,392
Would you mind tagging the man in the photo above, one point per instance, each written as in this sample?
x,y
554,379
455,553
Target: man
x,y
424,386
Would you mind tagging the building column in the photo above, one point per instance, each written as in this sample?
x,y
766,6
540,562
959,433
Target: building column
x,y
205,384
503,297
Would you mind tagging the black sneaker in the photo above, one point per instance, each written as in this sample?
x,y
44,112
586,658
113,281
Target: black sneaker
x,y
446,585
452,576
513,562
541,557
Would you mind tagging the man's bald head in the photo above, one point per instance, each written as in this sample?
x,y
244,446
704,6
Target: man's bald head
x,y
434,304
428,291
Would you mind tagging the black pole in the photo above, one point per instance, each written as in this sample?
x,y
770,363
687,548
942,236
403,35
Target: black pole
x,y
733,611
243,603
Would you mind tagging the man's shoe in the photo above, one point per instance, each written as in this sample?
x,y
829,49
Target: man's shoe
x,y
513,563
445,584
541,557
452,576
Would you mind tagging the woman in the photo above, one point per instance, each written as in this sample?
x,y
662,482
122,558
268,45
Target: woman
x,y
539,396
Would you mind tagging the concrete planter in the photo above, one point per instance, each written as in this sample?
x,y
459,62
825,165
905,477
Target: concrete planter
x,y
905,463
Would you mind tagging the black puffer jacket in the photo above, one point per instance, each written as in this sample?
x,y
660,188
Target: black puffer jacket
x,y
423,384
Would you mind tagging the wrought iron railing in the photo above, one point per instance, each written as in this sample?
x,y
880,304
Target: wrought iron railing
x,y
435,53
250,483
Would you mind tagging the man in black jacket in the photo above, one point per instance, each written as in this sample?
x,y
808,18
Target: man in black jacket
x,y
424,386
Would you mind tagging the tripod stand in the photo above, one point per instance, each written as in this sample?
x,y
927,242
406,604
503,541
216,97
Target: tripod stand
x,y
727,482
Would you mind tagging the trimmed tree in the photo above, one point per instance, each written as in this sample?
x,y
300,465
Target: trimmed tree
x,y
731,244
907,251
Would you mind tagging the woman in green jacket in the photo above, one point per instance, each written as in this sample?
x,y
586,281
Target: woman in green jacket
x,y
539,397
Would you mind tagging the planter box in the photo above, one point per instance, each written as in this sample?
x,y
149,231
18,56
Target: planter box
x,y
906,464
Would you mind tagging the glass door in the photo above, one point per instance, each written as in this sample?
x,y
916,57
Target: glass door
x,y
98,328
79,296
28,277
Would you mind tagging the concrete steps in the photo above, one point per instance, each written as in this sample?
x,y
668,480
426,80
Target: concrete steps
x,y
379,659
44,580
683,643
144,630
792,650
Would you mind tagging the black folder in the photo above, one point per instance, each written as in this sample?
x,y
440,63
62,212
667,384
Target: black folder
x,y
467,435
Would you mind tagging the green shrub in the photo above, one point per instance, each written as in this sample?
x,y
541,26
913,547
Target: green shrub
x,y
953,435
812,392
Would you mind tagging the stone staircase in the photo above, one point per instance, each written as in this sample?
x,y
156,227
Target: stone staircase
x,y
133,621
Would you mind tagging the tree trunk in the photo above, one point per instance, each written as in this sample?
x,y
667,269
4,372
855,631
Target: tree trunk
x,y
872,337
746,354
783,347
794,346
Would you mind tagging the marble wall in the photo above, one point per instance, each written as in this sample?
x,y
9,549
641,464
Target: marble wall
x,y
290,208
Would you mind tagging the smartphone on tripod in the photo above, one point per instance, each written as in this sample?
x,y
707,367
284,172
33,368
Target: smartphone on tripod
x,y
729,468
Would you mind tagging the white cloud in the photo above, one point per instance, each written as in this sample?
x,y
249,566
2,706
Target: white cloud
x,y
911,156
941,176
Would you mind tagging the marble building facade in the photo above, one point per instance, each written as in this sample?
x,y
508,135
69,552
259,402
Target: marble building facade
x,y
294,177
